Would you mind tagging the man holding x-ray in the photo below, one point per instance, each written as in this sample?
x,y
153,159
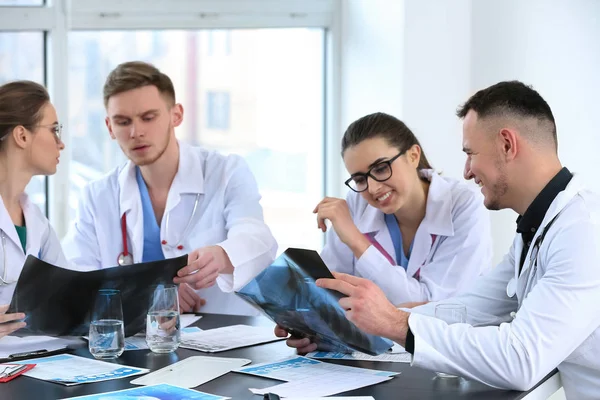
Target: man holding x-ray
x,y
538,309
171,199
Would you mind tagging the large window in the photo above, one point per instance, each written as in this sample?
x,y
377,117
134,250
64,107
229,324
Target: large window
x,y
254,92
22,57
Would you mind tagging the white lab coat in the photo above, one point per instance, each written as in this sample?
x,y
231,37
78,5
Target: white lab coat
x,y
41,242
557,317
228,214
461,251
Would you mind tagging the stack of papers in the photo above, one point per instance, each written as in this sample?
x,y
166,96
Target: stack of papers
x,y
13,345
312,378
160,392
71,370
227,338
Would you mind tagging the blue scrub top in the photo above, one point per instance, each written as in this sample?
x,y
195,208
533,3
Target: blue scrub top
x,y
152,246
394,229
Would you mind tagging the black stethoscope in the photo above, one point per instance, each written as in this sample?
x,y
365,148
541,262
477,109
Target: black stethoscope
x,y
126,258
511,288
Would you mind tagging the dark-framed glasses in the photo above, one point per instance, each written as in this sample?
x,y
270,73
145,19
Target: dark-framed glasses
x,y
380,172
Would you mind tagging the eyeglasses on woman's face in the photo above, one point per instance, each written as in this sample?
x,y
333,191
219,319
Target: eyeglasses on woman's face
x,y
381,172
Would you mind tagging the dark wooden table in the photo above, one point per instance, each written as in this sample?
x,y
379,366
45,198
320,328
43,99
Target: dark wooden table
x,y
412,383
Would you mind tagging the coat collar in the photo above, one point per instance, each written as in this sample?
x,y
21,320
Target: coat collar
x,y
438,210
34,221
188,179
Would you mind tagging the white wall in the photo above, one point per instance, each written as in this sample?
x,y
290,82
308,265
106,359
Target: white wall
x,y
425,57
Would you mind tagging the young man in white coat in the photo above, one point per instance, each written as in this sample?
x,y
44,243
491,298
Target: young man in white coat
x,y
171,199
538,309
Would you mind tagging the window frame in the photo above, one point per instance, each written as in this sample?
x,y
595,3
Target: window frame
x,y
57,17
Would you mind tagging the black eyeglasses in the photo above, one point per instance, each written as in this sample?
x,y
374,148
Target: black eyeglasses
x,y
380,172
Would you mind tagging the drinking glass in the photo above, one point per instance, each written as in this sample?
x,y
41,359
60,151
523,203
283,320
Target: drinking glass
x,y
451,314
163,333
106,335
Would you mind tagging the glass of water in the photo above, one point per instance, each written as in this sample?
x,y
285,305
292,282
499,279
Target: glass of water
x,y
107,336
451,314
162,323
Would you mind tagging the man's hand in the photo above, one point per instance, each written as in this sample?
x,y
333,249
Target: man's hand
x,y
7,321
189,300
302,345
368,308
337,211
204,266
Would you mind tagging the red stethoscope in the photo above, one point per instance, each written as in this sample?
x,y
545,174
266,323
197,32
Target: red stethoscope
x,y
126,258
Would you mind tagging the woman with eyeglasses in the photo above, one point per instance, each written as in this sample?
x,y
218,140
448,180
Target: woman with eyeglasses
x,y
30,145
416,234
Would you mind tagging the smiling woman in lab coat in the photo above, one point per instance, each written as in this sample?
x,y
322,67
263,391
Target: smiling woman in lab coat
x,y
418,235
29,145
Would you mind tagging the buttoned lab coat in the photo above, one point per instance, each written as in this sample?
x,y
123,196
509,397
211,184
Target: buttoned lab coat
x,y
557,316
462,249
228,215
41,242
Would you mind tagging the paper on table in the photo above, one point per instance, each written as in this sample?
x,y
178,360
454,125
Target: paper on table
x,y
323,385
298,367
228,337
186,320
308,377
138,342
192,371
397,357
155,392
71,370
13,344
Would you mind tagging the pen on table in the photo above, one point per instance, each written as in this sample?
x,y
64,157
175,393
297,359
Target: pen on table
x,y
28,353
271,396
17,370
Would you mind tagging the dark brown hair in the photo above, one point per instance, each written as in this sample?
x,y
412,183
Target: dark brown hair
x,y
513,99
136,74
21,104
385,126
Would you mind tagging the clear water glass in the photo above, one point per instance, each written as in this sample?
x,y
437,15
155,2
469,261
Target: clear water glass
x,y
451,314
163,332
107,334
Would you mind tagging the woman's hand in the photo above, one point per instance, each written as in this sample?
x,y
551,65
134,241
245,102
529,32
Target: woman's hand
x,y
337,211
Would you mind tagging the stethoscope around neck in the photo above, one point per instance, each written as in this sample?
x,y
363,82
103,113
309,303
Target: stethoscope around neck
x,y
126,258
511,288
3,281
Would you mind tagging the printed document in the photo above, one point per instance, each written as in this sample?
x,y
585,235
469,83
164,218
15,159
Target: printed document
x,y
71,370
312,378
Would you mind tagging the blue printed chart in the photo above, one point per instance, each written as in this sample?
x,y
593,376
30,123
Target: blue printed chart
x,y
71,370
155,392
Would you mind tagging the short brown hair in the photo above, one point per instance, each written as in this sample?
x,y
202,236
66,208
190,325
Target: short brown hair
x,y
136,74
21,104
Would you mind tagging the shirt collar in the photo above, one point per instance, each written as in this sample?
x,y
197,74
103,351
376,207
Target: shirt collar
x,y
531,220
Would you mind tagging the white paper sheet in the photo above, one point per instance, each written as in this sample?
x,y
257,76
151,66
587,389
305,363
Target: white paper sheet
x,y
192,371
71,370
227,338
386,357
307,377
14,345
138,342
186,320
